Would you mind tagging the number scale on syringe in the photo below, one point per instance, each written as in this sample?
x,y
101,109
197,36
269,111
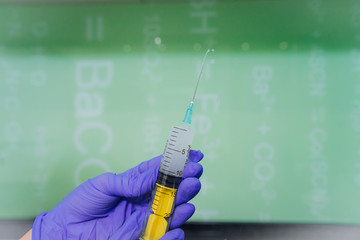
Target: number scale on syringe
x,y
176,151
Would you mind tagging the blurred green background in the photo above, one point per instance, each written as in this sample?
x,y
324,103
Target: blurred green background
x,y
89,88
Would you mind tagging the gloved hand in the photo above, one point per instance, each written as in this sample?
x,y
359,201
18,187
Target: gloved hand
x,y
113,206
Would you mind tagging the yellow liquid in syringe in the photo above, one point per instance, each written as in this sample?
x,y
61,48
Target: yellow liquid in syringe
x,y
162,207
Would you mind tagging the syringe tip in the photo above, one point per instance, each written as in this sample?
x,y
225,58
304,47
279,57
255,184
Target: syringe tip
x,y
188,114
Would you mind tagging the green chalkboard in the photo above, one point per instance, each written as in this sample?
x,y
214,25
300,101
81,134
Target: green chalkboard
x,y
90,88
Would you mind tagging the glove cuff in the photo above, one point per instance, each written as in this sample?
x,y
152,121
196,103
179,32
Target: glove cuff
x,y
36,228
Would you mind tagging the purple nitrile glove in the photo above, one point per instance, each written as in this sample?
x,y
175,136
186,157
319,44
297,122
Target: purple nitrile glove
x,y
113,206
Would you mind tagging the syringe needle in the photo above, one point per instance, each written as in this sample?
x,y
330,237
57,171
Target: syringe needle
x,y
188,114
200,74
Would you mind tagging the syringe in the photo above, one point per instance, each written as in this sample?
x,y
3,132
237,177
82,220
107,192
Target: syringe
x,y
174,159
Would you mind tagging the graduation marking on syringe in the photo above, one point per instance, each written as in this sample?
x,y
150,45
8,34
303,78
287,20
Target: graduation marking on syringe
x,y
181,129
174,150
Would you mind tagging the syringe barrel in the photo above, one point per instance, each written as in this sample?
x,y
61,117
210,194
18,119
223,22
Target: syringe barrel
x,y
162,204
168,181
